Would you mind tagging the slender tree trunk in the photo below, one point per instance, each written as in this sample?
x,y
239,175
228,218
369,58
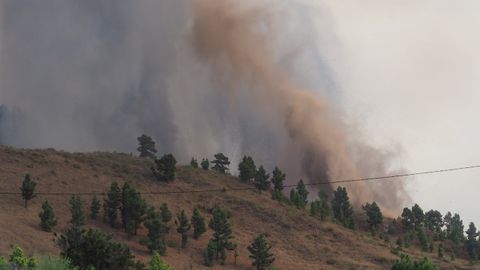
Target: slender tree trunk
x,y
26,203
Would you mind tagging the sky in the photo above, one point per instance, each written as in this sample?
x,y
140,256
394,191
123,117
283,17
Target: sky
x,y
409,71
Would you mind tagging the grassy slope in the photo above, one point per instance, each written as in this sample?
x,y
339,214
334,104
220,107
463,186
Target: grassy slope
x,y
299,241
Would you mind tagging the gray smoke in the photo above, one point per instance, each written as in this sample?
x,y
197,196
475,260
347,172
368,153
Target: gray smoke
x,y
94,74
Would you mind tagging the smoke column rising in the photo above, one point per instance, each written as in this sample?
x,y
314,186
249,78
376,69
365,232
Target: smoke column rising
x,y
202,77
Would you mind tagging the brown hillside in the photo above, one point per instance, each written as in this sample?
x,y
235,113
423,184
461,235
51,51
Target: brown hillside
x,y
299,241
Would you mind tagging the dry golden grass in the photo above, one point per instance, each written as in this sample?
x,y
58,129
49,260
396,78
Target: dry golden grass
x,y
299,241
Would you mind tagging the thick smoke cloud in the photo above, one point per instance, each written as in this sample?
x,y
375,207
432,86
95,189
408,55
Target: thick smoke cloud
x,y
200,76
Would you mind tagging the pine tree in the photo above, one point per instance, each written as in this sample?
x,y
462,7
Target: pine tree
x,y
132,209
76,210
194,163
157,263
342,210
220,164
146,147
209,253
261,179
299,196
112,203
28,189
278,177
157,229
434,221
247,169
95,207
456,229
471,244
302,191
183,226
320,207
198,223
260,253
222,234
205,164
165,213
47,217
295,199
165,168
374,215
418,216
407,219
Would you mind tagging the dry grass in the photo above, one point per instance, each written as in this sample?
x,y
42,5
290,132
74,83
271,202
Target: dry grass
x,y
299,241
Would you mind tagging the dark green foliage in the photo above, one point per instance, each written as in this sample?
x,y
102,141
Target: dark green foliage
x,y
434,221
247,169
28,189
198,223
374,215
76,210
261,180
299,195
342,209
418,216
165,213
302,192
320,207
471,244
183,226
146,147
441,251
220,163
260,253
95,248
425,242
205,164
194,163
157,229
222,234
407,219
405,263
112,203
47,217
165,168
95,206
133,208
209,253
157,263
278,177
454,228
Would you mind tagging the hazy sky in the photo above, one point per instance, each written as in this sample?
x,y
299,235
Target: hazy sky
x,y
410,72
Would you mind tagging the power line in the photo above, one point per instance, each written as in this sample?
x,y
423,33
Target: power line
x,y
353,180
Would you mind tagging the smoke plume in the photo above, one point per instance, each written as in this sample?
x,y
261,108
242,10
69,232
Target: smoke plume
x,y
200,76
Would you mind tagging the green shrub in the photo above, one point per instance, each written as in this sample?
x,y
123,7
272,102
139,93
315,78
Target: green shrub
x,y
405,263
53,263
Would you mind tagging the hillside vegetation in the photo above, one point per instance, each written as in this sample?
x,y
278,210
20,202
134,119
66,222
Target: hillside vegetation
x,y
299,241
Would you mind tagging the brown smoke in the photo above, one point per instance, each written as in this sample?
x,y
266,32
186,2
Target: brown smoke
x,y
234,37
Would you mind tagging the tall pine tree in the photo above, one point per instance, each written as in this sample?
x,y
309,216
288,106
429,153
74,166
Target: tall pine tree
x,y
183,226
247,169
260,253
47,217
222,234
28,189
198,223
342,209
76,210
261,179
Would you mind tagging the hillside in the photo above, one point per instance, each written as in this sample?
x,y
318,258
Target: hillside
x,y
299,241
